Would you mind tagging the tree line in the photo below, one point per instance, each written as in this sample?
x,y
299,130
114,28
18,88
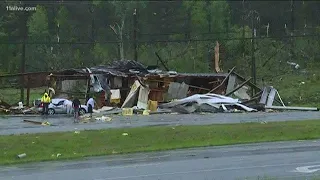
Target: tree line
x,y
70,34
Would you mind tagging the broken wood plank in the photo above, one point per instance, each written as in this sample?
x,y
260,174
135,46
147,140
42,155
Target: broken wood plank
x,y
231,83
217,81
264,95
240,86
293,108
196,87
271,96
249,83
5,110
223,80
230,71
250,100
257,95
34,122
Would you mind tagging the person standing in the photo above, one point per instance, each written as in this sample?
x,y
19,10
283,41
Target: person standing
x,y
90,105
68,104
76,106
45,100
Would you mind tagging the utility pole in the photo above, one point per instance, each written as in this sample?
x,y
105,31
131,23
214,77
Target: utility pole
x,y
253,60
209,20
188,25
92,24
135,43
227,27
243,30
292,30
24,34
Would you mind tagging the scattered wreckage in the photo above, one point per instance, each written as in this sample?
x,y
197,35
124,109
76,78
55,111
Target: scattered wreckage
x,y
129,87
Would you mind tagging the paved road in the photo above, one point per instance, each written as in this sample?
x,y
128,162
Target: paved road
x,y
282,160
16,125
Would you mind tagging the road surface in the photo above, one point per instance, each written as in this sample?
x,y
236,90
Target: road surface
x,y
280,160
15,125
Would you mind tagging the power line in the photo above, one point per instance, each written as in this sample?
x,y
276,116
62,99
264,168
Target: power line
x,y
159,41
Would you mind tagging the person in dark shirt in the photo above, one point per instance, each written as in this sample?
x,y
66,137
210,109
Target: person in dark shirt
x,y
76,106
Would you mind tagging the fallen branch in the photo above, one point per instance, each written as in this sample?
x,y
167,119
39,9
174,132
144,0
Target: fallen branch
x,y
162,62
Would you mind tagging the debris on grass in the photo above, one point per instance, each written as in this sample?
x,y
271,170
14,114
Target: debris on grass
x,y
20,156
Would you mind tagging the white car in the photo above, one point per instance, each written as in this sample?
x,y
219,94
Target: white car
x,y
56,107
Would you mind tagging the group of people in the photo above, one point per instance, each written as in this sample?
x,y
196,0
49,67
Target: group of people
x,y
74,105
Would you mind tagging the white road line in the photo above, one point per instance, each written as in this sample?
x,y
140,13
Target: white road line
x,y
131,166
306,169
56,164
202,171
135,159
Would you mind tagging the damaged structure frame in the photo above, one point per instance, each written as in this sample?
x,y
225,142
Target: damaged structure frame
x,y
128,84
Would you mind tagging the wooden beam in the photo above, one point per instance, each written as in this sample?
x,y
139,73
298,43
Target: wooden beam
x,y
88,89
22,74
222,81
34,122
28,91
250,100
249,83
237,88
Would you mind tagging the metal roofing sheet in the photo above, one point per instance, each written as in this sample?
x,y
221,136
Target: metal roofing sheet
x,y
203,74
188,75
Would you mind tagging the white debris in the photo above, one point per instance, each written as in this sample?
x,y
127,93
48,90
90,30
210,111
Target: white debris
x,y
103,119
104,108
214,100
296,66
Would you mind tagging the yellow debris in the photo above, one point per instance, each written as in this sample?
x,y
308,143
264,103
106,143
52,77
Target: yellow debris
x,y
45,123
152,105
127,111
146,112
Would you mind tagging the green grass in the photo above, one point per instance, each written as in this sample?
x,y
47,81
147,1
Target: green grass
x,y
12,95
292,90
42,147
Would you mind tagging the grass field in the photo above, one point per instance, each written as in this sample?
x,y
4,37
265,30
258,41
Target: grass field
x,y
42,147
300,89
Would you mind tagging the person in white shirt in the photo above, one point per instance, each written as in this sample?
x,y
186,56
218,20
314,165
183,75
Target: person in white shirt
x,y
90,105
68,104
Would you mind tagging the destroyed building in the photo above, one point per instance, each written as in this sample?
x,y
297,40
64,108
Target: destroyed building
x,y
119,76
129,84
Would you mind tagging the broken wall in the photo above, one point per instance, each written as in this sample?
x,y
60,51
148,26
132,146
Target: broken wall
x,y
73,85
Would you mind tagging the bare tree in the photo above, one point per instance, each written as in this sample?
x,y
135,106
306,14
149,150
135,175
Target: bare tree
x,y
119,33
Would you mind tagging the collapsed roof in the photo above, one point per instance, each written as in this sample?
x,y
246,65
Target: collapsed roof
x,y
121,68
126,68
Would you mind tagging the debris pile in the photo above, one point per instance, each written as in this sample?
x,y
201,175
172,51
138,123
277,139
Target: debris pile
x,y
207,103
4,107
128,87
